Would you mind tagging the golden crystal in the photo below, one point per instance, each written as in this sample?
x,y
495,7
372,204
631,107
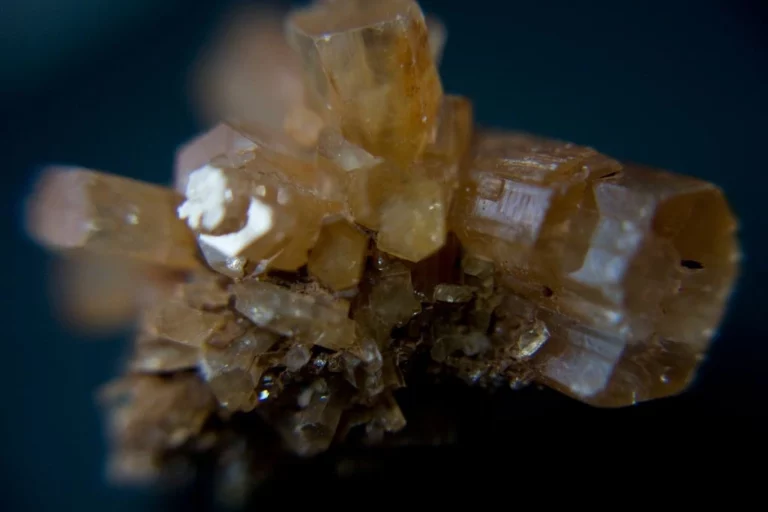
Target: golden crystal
x,y
369,70
75,209
338,258
357,229
312,319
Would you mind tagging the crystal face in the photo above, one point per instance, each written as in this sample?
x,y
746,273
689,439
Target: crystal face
x,y
304,277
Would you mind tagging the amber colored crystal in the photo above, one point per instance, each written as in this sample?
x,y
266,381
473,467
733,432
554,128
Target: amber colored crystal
x,y
95,294
312,319
369,69
101,213
222,142
352,233
250,76
413,224
149,414
338,258
176,321
162,356
609,254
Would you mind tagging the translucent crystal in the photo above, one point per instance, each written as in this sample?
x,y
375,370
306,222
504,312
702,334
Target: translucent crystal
x,y
237,215
369,69
97,294
338,258
251,76
606,249
176,321
453,293
205,290
233,373
311,319
311,429
440,268
375,188
334,148
470,344
149,414
392,298
222,142
413,224
360,232
438,35
161,356
297,357
110,215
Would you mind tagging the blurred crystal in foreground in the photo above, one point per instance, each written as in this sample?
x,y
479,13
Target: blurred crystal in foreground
x,y
311,270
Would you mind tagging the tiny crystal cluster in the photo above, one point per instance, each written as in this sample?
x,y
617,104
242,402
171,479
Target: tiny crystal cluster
x,y
306,258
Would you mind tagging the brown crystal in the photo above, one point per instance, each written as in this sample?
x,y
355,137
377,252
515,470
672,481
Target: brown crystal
x,y
602,249
338,258
148,415
251,77
221,142
233,372
369,69
312,319
97,295
357,231
101,213
173,320
162,356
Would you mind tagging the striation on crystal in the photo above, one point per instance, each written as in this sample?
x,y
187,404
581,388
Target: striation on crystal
x,y
80,209
369,70
356,230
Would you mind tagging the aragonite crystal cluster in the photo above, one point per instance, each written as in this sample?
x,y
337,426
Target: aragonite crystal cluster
x,y
365,223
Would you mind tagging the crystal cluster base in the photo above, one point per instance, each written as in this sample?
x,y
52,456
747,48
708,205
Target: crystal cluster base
x,y
308,271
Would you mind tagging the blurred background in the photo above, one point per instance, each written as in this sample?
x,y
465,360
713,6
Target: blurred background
x,y
676,84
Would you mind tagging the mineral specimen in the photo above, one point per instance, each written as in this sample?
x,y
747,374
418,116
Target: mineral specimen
x,y
313,273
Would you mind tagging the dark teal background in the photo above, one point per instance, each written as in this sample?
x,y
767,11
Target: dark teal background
x,y
676,84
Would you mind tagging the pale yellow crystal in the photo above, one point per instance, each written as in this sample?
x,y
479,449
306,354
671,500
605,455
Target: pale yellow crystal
x,y
76,208
413,224
338,258
369,70
613,257
378,190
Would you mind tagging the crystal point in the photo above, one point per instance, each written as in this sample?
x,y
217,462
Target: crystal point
x,y
347,230
104,214
338,258
370,70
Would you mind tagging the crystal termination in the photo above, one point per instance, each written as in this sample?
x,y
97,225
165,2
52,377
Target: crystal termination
x,y
309,269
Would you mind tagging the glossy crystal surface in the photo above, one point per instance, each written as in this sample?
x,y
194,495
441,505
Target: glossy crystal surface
x,y
314,255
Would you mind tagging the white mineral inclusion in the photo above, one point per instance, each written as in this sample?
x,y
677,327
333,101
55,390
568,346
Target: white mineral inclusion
x,y
207,195
260,221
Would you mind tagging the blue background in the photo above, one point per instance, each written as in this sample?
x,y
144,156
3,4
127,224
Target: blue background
x,y
677,84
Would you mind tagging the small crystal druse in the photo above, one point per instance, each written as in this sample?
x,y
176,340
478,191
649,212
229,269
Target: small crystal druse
x,y
307,269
